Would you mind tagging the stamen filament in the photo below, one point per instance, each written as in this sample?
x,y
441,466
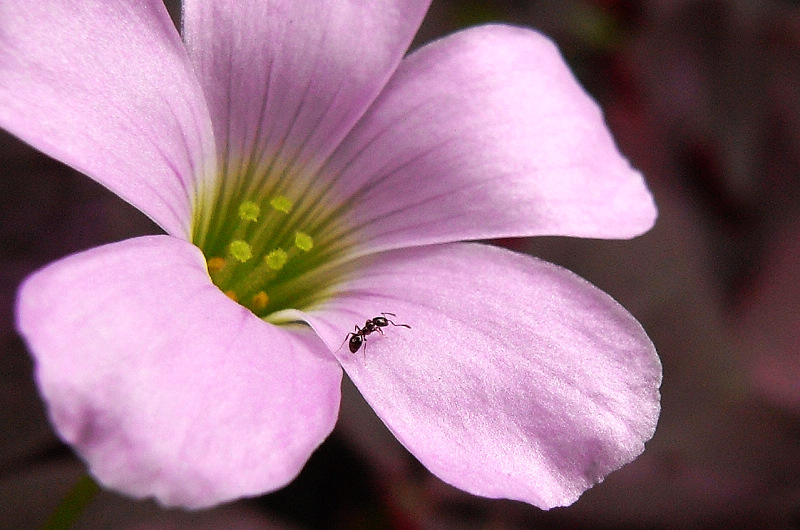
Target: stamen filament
x,y
259,252
281,206
248,213
271,265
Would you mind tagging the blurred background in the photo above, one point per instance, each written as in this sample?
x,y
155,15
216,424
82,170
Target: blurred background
x,y
704,97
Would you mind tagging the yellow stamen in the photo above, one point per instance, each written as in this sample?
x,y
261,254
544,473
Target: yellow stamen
x,y
249,211
303,241
240,250
281,203
276,259
232,295
259,301
215,264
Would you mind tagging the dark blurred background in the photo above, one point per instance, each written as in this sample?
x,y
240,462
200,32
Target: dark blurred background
x,y
704,98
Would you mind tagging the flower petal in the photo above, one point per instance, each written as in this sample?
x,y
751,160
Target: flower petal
x,y
286,80
517,379
164,385
486,134
107,88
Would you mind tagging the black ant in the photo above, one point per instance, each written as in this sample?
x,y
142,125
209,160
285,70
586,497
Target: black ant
x,y
359,336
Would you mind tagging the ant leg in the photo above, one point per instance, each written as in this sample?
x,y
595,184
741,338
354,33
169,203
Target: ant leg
x,y
364,352
392,322
345,340
351,334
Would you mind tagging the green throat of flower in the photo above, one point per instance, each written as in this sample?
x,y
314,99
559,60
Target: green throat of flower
x,y
270,254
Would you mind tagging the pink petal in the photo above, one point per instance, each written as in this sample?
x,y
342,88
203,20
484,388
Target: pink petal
x,y
107,88
517,379
164,385
486,134
286,80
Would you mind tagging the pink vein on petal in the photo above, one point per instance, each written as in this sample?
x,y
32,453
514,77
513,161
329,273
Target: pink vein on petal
x,y
489,122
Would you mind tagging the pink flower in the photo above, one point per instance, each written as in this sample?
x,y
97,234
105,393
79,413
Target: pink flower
x,y
302,167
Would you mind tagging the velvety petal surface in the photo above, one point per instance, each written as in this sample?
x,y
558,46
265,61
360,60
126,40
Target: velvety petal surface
x,y
486,134
286,80
518,379
107,88
164,385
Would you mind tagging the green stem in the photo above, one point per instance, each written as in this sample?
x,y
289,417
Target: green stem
x,y
73,504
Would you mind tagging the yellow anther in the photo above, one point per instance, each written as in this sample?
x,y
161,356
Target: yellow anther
x,y
215,265
281,203
240,250
232,296
260,301
276,259
303,241
249,211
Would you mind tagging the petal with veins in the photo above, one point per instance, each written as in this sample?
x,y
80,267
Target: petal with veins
x,y
286,80
107,88
517,379
164,385
486,134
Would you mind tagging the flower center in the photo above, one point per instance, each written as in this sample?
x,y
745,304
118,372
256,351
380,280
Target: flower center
x,y
270,254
